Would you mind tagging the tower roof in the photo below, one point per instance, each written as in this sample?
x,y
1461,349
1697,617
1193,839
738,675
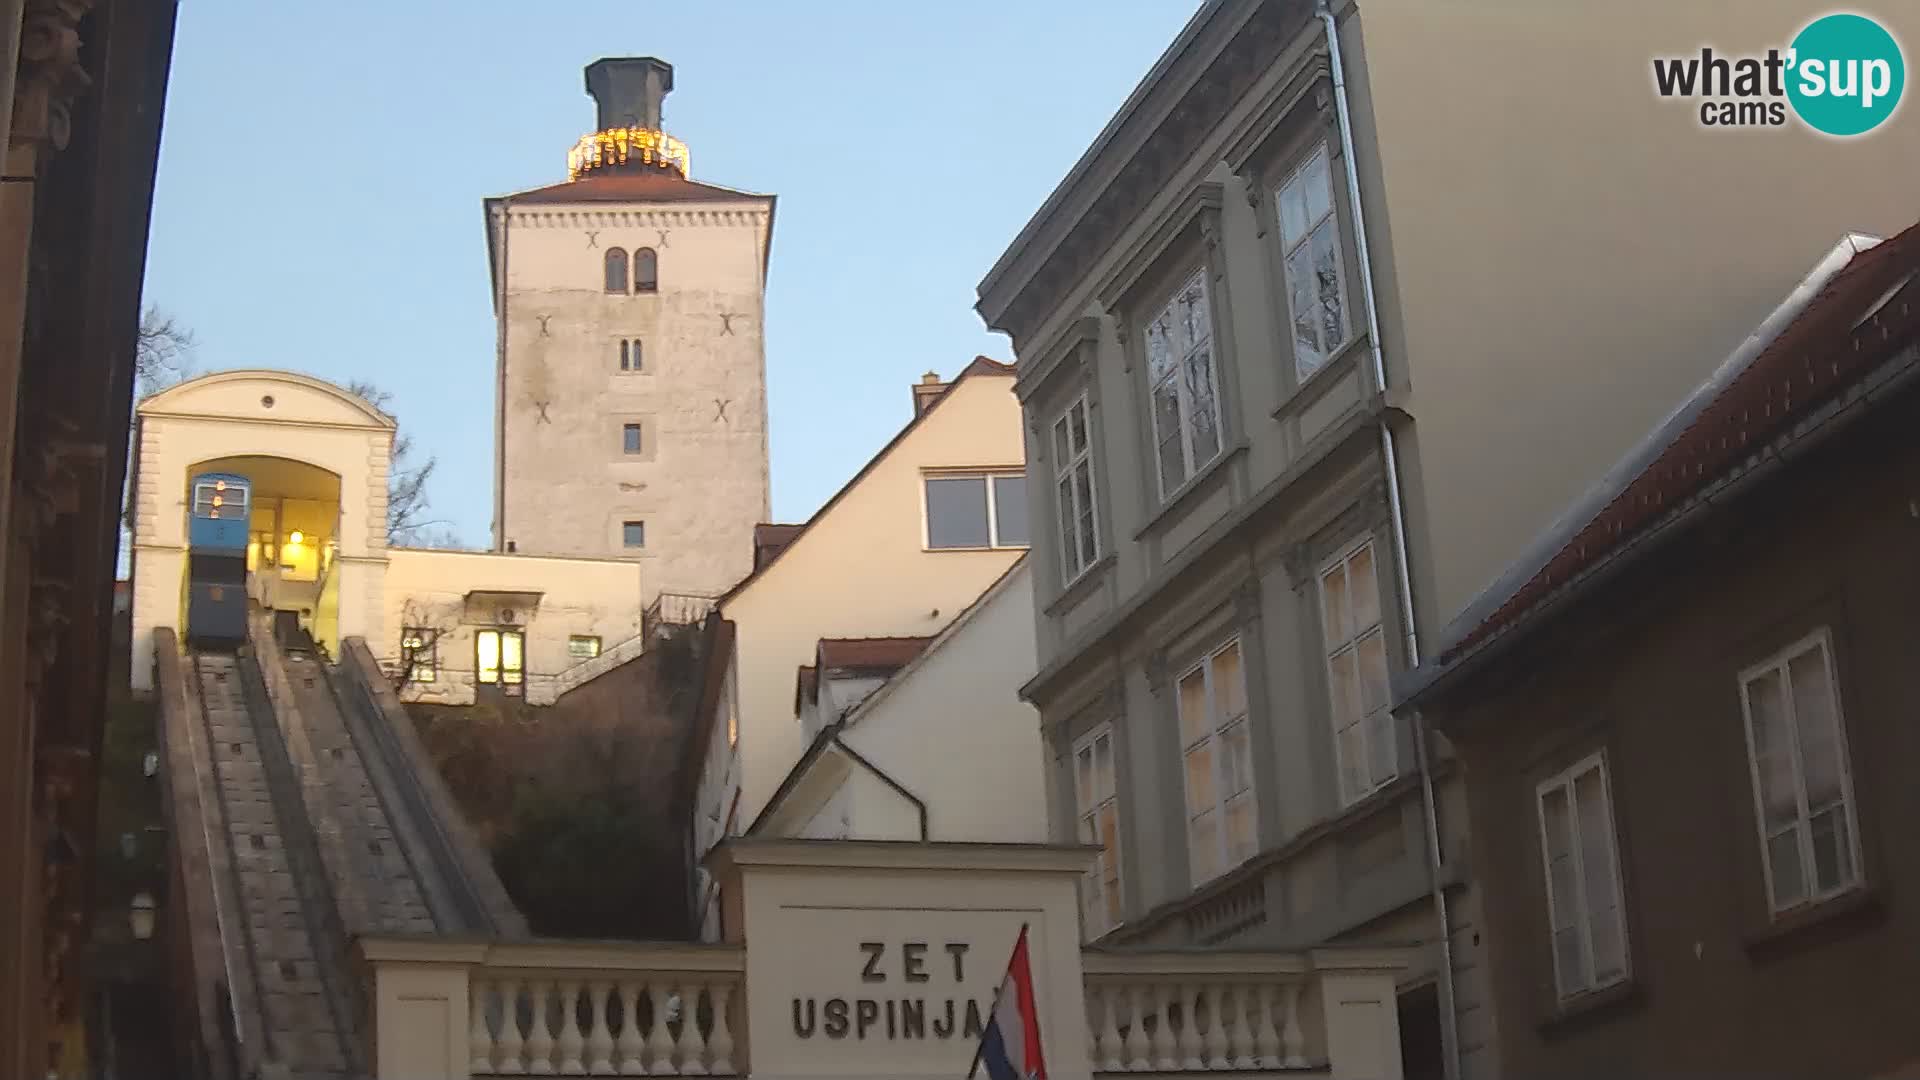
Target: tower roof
x,y
654,186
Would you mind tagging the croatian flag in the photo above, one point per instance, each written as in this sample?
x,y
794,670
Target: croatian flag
x,y
1010,1046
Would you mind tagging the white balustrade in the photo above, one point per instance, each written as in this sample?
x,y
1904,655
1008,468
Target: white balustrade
x,y
1196,1011
631,1025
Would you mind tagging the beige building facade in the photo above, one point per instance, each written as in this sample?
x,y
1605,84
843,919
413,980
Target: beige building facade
x,y
868,565
1323,327
631,414
451,626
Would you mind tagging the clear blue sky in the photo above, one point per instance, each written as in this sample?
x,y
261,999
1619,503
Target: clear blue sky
x,y
322,168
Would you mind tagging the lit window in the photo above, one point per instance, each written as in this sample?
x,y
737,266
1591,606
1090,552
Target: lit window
x,y
1310,239
1186,406
1582,863
1802,785
633,534
630,438
1097,805
983,510
1356,652
629,354
646,271
417,655
500,657
616,271
1218,760
1073,483
583,646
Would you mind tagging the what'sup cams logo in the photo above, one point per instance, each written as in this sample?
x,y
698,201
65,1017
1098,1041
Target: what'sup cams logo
x,y
1842,75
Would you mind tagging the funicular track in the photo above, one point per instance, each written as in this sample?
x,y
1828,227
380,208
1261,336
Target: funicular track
x,y
307,815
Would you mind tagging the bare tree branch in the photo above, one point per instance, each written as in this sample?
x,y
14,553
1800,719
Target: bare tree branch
x,y
407,502
163,352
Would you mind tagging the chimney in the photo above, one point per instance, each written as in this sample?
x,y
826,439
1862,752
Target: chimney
x,y
628,90
924,391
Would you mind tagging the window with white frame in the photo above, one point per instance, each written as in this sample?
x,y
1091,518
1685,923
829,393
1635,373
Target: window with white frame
x,y
1073,485
1218,759
1802,786
1097,808
1181,377
977,510
1310,245
583,646
1356,650
1582,861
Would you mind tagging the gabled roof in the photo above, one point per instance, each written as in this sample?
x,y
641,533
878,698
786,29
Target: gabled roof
x,y
1854,311
980,366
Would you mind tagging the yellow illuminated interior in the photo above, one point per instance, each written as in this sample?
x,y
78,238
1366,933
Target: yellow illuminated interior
x,y
618,146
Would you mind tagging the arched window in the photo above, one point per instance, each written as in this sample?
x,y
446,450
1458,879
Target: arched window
x,y
617,270
646,270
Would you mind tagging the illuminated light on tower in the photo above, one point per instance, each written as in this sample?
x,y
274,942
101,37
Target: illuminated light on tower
x,y
628,93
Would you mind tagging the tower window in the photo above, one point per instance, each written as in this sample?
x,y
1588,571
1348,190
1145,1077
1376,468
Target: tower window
x,y
633,534
630,438
646,271
629,354
617,270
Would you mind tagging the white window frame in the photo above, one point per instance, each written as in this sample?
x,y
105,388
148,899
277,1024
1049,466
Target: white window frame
x,y
631,356
1095,901
592,641
993,508
1332,650
1821,639
1582,919
1183,398
1215,727
1288,247
1079,524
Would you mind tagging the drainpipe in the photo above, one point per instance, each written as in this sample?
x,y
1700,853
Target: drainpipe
x,y
1449,1018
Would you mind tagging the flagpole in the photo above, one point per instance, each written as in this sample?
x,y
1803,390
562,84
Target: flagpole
x,y
980,1044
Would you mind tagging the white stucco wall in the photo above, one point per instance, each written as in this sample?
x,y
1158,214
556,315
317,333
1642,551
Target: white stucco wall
x,y
428,589
700,482
951,729
266,414
861,569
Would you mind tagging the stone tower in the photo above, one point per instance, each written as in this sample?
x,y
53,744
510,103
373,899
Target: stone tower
x,y
630,407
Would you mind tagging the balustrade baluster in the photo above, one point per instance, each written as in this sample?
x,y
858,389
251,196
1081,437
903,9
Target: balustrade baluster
x,y
600,1038
1164,1046
540,1041
1294,1052
660,1040
1266,1041
1107,1047
1238,1033
1136,1051
510,1053
631,1043
693,1047
1218,1053
722,1041
570,1040
479,1039
1190,1027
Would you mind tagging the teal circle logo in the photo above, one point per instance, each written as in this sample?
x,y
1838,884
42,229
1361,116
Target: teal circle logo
x,y
1846,75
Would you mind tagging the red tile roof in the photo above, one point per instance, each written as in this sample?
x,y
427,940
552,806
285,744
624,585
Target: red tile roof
x,y
870,654
654,186
1836,339
770,540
